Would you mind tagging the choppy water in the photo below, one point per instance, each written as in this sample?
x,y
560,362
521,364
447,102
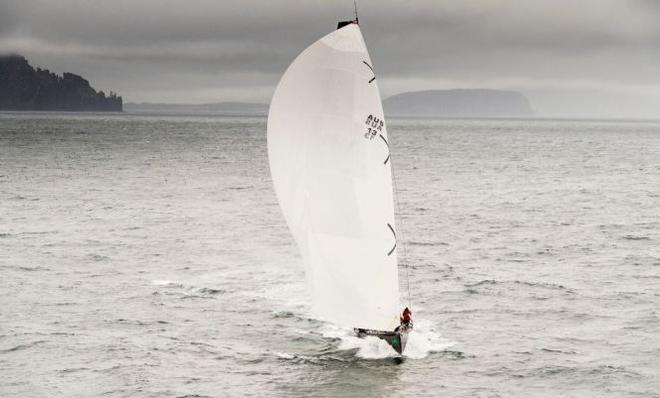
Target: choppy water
x,y
147,256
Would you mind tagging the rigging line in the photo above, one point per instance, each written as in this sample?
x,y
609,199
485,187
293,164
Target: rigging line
x,y
401,231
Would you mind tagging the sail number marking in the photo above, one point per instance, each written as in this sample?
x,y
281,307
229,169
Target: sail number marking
x,y
374,125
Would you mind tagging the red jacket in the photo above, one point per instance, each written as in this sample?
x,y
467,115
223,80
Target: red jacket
x,y
405,317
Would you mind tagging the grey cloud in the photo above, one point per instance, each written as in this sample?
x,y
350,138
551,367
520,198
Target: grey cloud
x,y
207,47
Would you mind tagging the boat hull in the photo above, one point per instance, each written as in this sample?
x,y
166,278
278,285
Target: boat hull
x,y
397,339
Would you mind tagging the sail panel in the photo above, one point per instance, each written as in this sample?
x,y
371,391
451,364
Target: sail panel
x,y
327,148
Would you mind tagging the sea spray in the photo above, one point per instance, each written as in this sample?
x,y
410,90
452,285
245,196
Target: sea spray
x,y
422,341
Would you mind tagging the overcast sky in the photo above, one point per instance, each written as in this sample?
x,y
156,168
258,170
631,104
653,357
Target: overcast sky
x,y
571,58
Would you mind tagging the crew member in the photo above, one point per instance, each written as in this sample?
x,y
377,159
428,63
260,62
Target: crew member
x,y
406,317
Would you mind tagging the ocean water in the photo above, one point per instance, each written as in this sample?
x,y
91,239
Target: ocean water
x,y
146,256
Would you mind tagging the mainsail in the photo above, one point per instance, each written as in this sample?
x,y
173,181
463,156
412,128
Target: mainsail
x,y
330,164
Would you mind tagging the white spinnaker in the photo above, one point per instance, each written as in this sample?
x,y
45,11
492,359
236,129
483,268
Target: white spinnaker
x,y
329,160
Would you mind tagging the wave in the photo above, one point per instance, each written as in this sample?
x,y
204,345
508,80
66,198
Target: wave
x,y
636,237
581,372
543,285
207,290
186,291
21,347
427,243
558,351
25,268
167,283
97,257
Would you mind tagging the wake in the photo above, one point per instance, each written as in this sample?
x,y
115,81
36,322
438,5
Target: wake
x,y
422,341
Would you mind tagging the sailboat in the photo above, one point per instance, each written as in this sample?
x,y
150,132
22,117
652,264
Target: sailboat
x,y
331,166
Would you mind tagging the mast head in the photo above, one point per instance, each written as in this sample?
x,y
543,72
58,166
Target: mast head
x,y
356,21
341,24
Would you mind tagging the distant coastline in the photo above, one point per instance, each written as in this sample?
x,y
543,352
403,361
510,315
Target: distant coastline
x,y
433,103
24,88
470,103
216,108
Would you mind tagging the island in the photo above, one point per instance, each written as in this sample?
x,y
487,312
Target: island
x,y
469,103
24,88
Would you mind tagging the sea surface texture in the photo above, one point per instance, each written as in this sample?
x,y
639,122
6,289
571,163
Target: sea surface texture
x,y
146,256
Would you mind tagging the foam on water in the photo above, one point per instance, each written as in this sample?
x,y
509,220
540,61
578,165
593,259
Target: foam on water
x,y
422,341
166,283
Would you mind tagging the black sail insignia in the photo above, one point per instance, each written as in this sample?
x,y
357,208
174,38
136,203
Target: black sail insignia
x,y
372,71
388,149
394,234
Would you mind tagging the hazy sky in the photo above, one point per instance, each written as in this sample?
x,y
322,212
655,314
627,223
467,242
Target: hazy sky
x,y
571,58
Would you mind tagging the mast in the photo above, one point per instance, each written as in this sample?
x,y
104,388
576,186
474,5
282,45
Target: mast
x,y
357,20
